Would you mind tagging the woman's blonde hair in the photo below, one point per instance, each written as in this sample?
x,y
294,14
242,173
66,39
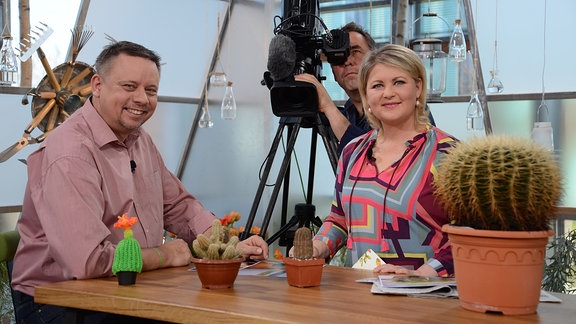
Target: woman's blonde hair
x,y
402,58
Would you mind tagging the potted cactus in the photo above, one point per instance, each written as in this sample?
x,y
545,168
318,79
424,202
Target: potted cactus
x,y
501,193
127,261
216,258
302,270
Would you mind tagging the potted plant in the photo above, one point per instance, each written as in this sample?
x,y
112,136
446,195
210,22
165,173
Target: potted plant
x,y
500,193
127,261
302,270
216,258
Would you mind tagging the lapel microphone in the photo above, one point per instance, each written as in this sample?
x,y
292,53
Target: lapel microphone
x,y
132,165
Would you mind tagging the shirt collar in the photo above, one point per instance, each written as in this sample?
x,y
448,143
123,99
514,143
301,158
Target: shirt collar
x,y
102,133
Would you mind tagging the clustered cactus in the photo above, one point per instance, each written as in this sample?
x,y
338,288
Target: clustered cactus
x,y
499,183
303,249
220,246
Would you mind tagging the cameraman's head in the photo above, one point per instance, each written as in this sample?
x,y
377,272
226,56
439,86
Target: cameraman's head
x,y
360,44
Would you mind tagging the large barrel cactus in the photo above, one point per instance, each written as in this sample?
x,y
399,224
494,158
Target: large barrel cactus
x,y
499,183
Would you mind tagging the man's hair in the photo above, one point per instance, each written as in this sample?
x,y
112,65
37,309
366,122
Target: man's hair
x,y
354,27
123,47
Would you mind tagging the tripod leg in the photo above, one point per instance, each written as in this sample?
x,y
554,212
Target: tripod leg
x,y
330,142
293,222
281,173
262,184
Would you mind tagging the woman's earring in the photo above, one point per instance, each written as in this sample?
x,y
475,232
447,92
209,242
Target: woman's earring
x,y
417,102
369,109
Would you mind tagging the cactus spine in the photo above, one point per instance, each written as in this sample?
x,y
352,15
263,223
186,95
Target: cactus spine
x,y
499,183
303,249
220,246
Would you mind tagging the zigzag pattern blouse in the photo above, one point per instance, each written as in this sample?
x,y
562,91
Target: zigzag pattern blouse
x,y
395,212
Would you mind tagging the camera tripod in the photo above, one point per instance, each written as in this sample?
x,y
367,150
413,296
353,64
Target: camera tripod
x,y
304,213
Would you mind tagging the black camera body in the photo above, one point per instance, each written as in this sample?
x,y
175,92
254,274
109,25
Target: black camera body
x,y
301,53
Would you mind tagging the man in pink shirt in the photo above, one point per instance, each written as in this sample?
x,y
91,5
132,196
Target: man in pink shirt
x,y
98,165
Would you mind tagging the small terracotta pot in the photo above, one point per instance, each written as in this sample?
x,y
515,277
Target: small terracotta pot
x,y
217,274
126,278
498,271
304,273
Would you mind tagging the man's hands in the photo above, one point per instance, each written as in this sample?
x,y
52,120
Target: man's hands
x,y
254,248
175,253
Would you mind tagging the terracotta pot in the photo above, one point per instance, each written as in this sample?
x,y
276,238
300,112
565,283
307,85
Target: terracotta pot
x,y
217,274
498,271
304,273
126,278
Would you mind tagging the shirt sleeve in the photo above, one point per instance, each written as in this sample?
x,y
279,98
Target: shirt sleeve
x,y
69,204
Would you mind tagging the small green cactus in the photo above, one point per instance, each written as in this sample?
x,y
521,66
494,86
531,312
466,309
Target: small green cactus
x,y
499,183
303,249
128,254
220,246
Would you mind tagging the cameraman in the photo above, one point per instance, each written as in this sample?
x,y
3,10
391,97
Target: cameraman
x,y
349,121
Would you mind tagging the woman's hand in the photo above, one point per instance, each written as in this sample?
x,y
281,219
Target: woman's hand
x,y
424,271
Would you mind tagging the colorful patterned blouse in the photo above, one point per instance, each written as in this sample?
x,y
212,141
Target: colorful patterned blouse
x,y
394,213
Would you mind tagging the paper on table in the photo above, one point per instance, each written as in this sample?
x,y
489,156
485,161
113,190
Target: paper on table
x,y
368,261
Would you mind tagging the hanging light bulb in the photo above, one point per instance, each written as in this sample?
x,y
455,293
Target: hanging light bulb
x,y
474,115
228,108
8,63
205,119
457,49
218,79
542,132
495,85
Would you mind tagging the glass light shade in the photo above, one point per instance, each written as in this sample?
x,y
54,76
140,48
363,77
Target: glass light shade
x,y
218,79
495,85
8,63
436,62
457,48
205,120
543,134
228,108
474,115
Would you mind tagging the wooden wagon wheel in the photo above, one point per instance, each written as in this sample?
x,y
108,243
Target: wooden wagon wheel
x,y
50,107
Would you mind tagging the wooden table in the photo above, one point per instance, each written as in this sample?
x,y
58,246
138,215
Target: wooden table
x,y
176,295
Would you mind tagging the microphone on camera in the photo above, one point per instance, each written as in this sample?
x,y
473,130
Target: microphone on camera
x,y
281,57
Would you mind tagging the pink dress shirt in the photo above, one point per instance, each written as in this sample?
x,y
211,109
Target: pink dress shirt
x,y
79,181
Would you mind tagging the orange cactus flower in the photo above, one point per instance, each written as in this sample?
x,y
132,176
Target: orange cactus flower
x,y
234,231
125,222
255,230
278,254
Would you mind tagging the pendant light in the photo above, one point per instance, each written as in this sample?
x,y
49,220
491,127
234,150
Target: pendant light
x,y
435,60
495,85
542,132
457,48
228,107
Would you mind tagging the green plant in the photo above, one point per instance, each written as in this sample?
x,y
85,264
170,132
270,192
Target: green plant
x,y
499,183
128,254
303,248
560,271
220,246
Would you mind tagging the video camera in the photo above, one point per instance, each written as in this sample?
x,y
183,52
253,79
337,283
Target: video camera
x,y
296,49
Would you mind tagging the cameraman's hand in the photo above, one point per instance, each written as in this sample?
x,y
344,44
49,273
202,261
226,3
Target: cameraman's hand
x,y
338,122
325,103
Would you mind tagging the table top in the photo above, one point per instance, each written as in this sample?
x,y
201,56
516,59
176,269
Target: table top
x,y
176,295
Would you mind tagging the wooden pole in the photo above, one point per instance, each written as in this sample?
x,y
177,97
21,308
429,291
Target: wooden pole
x,y
25,67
